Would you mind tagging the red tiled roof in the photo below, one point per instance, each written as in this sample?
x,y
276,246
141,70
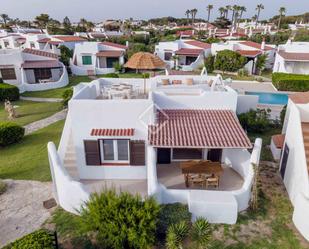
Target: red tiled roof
x,y
300,98
54,42
44,40
39,53
113,132
234,35
198,129
189,51
70,38
110,53
278,140
115,45
249,53
199,44
185,32
41,64
255,45
294,56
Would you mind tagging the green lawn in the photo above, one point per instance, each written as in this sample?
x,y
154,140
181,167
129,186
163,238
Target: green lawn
x,y
28,159
30,111
57,93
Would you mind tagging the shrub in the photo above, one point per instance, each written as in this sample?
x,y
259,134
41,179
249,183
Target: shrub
x,y
37,240
110,75
209,64
291,82
256,120
120,220
10,133
201,233
282,115
172,214
176,235
3,187
66,96
117,66
8,92
229,61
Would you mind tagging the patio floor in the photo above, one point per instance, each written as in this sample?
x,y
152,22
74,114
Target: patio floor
x,y
170,176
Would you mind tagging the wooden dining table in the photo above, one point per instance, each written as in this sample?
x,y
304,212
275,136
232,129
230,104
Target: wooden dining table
x,y
202,167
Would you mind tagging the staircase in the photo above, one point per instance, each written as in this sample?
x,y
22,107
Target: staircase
x,y
305,128
69,160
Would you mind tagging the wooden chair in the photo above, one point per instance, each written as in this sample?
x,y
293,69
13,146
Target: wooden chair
x,y
212,181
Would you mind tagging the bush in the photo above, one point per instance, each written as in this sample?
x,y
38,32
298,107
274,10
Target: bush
x,y
8,92
201,233
120,220
10,133
176,235
209,64
229,61
256,120
37,240
66,96
172,214
110,75
3,187
291,82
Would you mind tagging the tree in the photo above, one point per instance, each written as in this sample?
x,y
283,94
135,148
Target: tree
x,y
201,233
227,9
188,12
193,14
5,18
282,12
120,220
261,62
227,60
242,10
42,20
209,9
234,9
65,55
222,11
222,22
67,23
259,7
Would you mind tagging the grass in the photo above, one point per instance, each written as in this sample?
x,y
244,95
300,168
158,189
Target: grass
x,y
28,159
57,93
30,111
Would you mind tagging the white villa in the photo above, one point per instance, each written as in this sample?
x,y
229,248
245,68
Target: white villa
x,y
32,70
188,55
292,148
293,57
96,58
250,50
174,137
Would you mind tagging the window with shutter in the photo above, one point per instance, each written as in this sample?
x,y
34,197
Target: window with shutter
x,y
8,74
92,152
137,153
87,60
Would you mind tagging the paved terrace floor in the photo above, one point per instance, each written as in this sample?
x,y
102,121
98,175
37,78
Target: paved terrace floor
x,y
170,176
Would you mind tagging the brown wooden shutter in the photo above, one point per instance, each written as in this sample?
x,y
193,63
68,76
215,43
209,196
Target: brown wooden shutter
x,y
137,153
92,152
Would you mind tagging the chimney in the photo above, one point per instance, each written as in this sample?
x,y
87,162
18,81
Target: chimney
x,y
263,44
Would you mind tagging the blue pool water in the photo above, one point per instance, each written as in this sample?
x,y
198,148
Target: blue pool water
x,y
271,98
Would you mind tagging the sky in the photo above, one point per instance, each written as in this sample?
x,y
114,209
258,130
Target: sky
x,y
98,10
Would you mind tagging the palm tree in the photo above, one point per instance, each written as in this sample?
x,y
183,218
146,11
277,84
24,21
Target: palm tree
x,y
234,9
259,7
188,12
242,10
5,18
209,8
254,18
227,9
83,22
282,12
222,11
193,14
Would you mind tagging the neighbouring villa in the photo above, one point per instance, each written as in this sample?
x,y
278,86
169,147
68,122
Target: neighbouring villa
x,y
95,58
293,57
32,70
292,149
174,137
250,50
187,55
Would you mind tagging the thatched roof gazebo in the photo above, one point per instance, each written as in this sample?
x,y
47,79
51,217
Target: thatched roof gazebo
x,y
145,61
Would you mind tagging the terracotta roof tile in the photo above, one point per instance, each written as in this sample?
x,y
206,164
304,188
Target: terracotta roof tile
x,y
255,45
199,44
189,51
39,53
278,140
110,53
294,56
70,38
250,53
115,45
198,129
41,64
44,40
113,132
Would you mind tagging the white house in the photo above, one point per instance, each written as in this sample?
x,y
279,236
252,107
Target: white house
x,y
32,70
293,57
250,50
138,135
188,55
95,58
11,41
293,149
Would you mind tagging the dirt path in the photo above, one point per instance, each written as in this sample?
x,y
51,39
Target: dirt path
x,y
21,209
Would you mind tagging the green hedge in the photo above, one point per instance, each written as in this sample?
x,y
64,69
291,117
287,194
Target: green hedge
x,y
291,82
8,92
10,133
40,239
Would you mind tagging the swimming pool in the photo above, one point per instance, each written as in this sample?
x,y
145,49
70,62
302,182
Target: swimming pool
x,y
271,98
